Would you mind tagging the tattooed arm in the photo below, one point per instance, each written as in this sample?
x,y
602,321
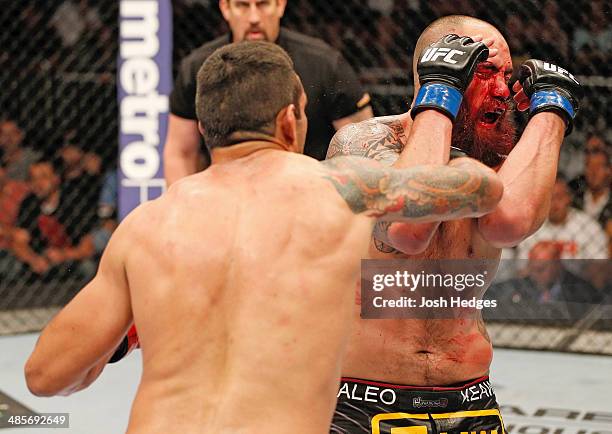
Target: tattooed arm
x,y
385,140
379,139
419,194
428,142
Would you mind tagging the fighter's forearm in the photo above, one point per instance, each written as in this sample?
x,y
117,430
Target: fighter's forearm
x,y
528,175
41,377
428,142
420,194
63,361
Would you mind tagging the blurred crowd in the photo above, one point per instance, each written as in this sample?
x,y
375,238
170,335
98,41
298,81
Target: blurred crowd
x,y
57,212
58,123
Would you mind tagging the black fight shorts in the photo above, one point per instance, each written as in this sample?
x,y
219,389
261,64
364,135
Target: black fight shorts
x,y
380,408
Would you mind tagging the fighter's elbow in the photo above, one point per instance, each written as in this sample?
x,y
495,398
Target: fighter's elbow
x,y
38,381
506,228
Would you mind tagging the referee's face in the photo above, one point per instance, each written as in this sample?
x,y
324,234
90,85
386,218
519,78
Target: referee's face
x,y
253,20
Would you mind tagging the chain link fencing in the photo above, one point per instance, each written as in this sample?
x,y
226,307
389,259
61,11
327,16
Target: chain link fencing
x,y
58,103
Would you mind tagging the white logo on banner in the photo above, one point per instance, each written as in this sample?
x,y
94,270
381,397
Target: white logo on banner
x,y
139,77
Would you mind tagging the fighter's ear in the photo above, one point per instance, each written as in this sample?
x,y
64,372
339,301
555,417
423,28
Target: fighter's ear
x,y
286,124
201,128
282,4
225,9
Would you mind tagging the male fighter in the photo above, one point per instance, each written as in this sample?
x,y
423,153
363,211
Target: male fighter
x,y
240,279
396,354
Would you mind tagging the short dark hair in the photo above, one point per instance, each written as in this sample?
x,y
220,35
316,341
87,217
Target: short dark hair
x,y
53,162
241,88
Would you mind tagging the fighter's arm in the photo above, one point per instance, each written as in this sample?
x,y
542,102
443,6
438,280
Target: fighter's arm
x,y
182,148
528,175
529,171
419,194
429,140
379,139
428,143
75,346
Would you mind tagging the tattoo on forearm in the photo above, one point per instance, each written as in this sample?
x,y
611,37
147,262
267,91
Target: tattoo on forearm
x,y
381,238
418,194
381,139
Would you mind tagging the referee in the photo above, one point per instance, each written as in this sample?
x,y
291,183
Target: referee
x,y
335,96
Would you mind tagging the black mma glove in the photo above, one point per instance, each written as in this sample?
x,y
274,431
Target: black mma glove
x,y
551,88
445,70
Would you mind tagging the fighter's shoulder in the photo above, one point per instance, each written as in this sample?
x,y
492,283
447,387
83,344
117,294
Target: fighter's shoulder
x,y
140,218
380,138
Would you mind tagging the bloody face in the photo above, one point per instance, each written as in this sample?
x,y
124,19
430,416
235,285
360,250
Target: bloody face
x,y
485,126
597,171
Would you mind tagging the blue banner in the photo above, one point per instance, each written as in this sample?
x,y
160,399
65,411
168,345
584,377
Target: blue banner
x,y
144,81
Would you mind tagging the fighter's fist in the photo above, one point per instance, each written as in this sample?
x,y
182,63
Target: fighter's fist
x,y
445,70
550,88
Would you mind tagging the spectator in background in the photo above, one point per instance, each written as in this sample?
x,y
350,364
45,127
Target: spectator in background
x,y
592,41
335,96
575,159
578,235
519,37
392,52
51,236
595,201
552,42
608,228
81,179
547,281
107,212
15,157
73,18
596,30
11,194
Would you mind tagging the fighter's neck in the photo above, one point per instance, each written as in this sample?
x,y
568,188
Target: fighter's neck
x,y
244,149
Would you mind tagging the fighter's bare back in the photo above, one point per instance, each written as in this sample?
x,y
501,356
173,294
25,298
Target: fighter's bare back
x,y
237,256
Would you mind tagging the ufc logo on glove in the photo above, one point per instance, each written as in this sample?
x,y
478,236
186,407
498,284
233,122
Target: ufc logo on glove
x,y
555,68
432,54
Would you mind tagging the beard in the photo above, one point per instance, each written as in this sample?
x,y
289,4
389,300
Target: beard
x,y
488,145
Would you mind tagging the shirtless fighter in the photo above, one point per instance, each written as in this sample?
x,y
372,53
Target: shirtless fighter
x,y
431,375
242,319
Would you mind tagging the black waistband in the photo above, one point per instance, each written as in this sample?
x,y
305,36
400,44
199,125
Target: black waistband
x,y
475,394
